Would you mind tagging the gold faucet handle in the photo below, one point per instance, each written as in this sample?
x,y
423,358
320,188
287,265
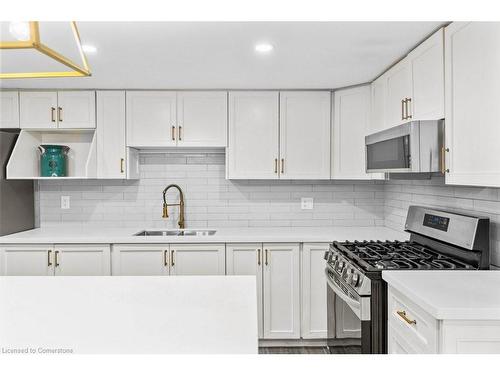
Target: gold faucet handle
x,y
165,212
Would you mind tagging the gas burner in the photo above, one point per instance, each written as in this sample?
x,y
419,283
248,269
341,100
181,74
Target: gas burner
x,y
398,255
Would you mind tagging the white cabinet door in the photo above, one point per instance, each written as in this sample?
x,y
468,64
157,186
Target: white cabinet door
x,y
398,345
38,110
203,259
9,109
246,259
350,125
305,135
398,90
27,260
82,260
427,70
253,135
378,94
201,118
472,93
76,109
111,150
140,260
281,291
151,118
314,320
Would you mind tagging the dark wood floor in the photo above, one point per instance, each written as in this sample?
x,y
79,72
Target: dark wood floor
x,y
309,350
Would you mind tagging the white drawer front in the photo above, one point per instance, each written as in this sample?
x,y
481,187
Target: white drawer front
x,y
411,322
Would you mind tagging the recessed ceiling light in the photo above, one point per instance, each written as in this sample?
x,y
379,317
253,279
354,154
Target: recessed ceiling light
x,y
88,48
264,47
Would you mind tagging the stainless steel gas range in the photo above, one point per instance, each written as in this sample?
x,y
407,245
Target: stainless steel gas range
x,y
439,240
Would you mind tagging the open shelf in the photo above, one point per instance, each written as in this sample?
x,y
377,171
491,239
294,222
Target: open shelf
x,y
24,162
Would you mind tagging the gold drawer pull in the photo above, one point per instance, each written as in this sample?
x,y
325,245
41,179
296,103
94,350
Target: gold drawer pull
x,y
172,262
173,133
258,257
266,262
122,160
49,263
59,114
275,165
56,258
52,111
282,166
403,316
165,258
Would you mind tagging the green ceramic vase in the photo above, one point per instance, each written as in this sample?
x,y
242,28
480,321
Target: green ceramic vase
x,y
53,160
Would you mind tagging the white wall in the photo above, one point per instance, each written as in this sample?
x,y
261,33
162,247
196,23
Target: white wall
x,y
211,200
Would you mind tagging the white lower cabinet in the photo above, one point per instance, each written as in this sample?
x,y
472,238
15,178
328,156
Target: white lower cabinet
x,y
164,259
313,307
281,291
414,330
58,260
246,259
140,260
197,259
82,260
26,260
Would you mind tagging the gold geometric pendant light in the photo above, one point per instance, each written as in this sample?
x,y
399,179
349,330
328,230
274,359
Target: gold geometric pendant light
x,y
35,43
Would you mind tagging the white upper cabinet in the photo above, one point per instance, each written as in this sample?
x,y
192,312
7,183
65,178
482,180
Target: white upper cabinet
x,y
281,264
253,135
206,259
151,118
427,70
378,94
76,109
350,125
398,94
38,110
304,135
82,260
472,61
112,157
201,118
9,109
57,110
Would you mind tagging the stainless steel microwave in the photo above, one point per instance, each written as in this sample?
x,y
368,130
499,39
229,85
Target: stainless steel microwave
x,y
413,147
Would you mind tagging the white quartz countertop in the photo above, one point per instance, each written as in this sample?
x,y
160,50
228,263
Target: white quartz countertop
x,y
468,295
85,234
130,315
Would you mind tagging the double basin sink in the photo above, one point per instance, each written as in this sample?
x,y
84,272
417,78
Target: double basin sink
x,y
176,232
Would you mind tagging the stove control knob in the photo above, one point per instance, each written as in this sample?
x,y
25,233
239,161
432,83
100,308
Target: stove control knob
x,y
341,265
355,279
327,256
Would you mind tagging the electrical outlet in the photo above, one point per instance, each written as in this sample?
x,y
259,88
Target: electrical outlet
x,y
65,202
306,203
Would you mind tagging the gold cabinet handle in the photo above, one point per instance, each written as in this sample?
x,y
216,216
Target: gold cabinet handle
x,y
402,109
444,150
258,257
407,105
122,160
56,258
282,165
173,133
52,114
49,263
59,114
165,258
172,262
275,165
179,131
266,262
403,316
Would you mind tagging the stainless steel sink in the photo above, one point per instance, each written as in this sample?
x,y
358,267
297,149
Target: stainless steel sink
x,y
177,232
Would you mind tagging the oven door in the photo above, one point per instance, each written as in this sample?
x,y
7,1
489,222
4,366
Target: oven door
x,y
348,322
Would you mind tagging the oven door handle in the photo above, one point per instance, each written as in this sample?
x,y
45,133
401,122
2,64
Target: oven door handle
x,y
351,302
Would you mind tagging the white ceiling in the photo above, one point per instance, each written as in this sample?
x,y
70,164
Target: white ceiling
x,y
188,55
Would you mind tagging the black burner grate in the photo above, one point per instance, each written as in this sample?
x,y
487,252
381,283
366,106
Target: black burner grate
x,y
395,255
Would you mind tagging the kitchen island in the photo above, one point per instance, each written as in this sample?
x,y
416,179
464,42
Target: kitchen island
x,y
443,311
129,315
